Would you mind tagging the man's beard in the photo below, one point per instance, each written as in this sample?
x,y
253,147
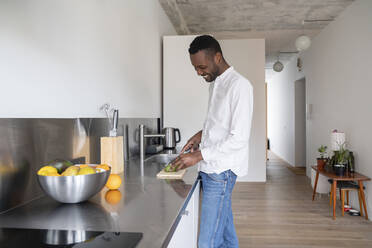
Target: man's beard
x,y
210,77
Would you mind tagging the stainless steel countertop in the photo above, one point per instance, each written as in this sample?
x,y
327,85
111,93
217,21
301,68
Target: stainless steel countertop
x,y
148,205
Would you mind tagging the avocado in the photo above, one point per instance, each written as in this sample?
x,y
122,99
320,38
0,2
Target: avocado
x,y
169,168
60,164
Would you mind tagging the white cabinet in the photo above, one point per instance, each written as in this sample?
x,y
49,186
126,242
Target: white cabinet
x,y
186,233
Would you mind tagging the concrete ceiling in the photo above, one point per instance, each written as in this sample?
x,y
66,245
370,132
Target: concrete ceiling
x,y
278,21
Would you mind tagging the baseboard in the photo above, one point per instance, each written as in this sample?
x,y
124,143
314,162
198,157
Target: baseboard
x,y
284,159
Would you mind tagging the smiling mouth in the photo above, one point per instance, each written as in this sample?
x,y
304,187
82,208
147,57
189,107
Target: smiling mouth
x,y
205,76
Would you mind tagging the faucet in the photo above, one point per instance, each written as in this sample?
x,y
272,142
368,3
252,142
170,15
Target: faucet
x,y
142,140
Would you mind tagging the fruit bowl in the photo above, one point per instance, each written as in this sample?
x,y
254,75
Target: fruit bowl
x,y
73,189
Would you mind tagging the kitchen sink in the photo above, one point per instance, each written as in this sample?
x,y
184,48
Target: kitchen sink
x,y
161,158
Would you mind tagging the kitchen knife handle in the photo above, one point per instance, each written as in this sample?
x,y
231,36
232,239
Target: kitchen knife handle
x,y
116,119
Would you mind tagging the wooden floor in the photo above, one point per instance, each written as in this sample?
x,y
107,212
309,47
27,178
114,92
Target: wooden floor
x,y
280,213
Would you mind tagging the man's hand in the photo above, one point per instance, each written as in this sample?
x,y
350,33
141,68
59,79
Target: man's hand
x,y
192,143
186,160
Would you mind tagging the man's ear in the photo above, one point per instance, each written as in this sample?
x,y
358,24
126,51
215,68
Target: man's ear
x,y
218,58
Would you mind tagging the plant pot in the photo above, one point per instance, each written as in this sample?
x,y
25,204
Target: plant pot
x,y
339,170
321,163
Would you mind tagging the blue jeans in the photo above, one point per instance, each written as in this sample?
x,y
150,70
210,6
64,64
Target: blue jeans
x,y
216,222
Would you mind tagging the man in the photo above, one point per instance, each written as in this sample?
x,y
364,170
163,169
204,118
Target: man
x,y
223,142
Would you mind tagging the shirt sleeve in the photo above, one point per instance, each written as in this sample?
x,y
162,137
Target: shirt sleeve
x,y
241,100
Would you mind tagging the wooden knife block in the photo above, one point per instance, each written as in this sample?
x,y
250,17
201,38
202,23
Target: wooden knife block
x,y
112,153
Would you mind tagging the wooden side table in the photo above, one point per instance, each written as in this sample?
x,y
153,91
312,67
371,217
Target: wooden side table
x,y
347,177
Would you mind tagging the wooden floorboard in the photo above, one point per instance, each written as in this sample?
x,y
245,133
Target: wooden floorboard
x,y
280,213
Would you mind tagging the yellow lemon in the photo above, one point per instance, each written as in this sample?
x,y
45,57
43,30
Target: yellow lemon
x,y
113,196
42,172
46,169
86,171
52,174
73,167
113,182
103,166
71,171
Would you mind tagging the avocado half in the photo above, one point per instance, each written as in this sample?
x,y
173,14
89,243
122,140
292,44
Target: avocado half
x,y
60,164
169,168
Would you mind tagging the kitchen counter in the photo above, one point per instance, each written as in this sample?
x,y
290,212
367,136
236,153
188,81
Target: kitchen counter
x,y
147,205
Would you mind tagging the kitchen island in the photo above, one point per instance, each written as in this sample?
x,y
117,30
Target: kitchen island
x,y
165,212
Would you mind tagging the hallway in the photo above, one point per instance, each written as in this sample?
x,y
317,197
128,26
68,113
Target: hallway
x,y
280,213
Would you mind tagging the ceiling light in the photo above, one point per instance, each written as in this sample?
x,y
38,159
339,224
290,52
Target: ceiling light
x,y
303,42
278,66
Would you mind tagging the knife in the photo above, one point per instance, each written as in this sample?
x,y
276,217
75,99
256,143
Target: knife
x,y
187,151
113,131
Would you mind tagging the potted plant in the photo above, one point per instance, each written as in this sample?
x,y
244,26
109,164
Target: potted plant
x,y
341,159
323,157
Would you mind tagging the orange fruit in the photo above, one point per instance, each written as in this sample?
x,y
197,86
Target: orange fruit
x,y
113,182
113,196
103,166
83,165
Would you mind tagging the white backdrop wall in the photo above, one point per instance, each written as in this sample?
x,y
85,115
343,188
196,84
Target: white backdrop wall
x,y
186,94
66,58
247,56
281,111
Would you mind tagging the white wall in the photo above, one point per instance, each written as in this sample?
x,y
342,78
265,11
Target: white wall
x,y
339,85
281,111
186,94
338,75
247,56
66,58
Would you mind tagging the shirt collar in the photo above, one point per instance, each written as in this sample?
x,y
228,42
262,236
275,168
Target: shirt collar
x,y
224,74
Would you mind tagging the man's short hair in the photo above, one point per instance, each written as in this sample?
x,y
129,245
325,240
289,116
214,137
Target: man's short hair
x,y
205,42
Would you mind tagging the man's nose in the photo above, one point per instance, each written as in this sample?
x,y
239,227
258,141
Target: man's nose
x,y
200,72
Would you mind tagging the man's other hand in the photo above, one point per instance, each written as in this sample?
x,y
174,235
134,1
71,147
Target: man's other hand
x,y
186,160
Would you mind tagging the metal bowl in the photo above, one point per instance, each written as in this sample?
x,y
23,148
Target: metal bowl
x,y
73,189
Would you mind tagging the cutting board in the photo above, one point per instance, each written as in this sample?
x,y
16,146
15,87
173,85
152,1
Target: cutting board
x,y
171,175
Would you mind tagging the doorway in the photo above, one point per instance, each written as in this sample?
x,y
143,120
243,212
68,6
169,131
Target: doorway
x,y
266,118
300,123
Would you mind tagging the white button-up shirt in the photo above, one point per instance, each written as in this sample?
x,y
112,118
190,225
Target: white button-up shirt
x,y
225,137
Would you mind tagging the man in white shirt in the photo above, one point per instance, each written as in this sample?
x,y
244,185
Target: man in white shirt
x,y
221,148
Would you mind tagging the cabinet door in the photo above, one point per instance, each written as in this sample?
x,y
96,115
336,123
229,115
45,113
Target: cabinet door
x,y
186,233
